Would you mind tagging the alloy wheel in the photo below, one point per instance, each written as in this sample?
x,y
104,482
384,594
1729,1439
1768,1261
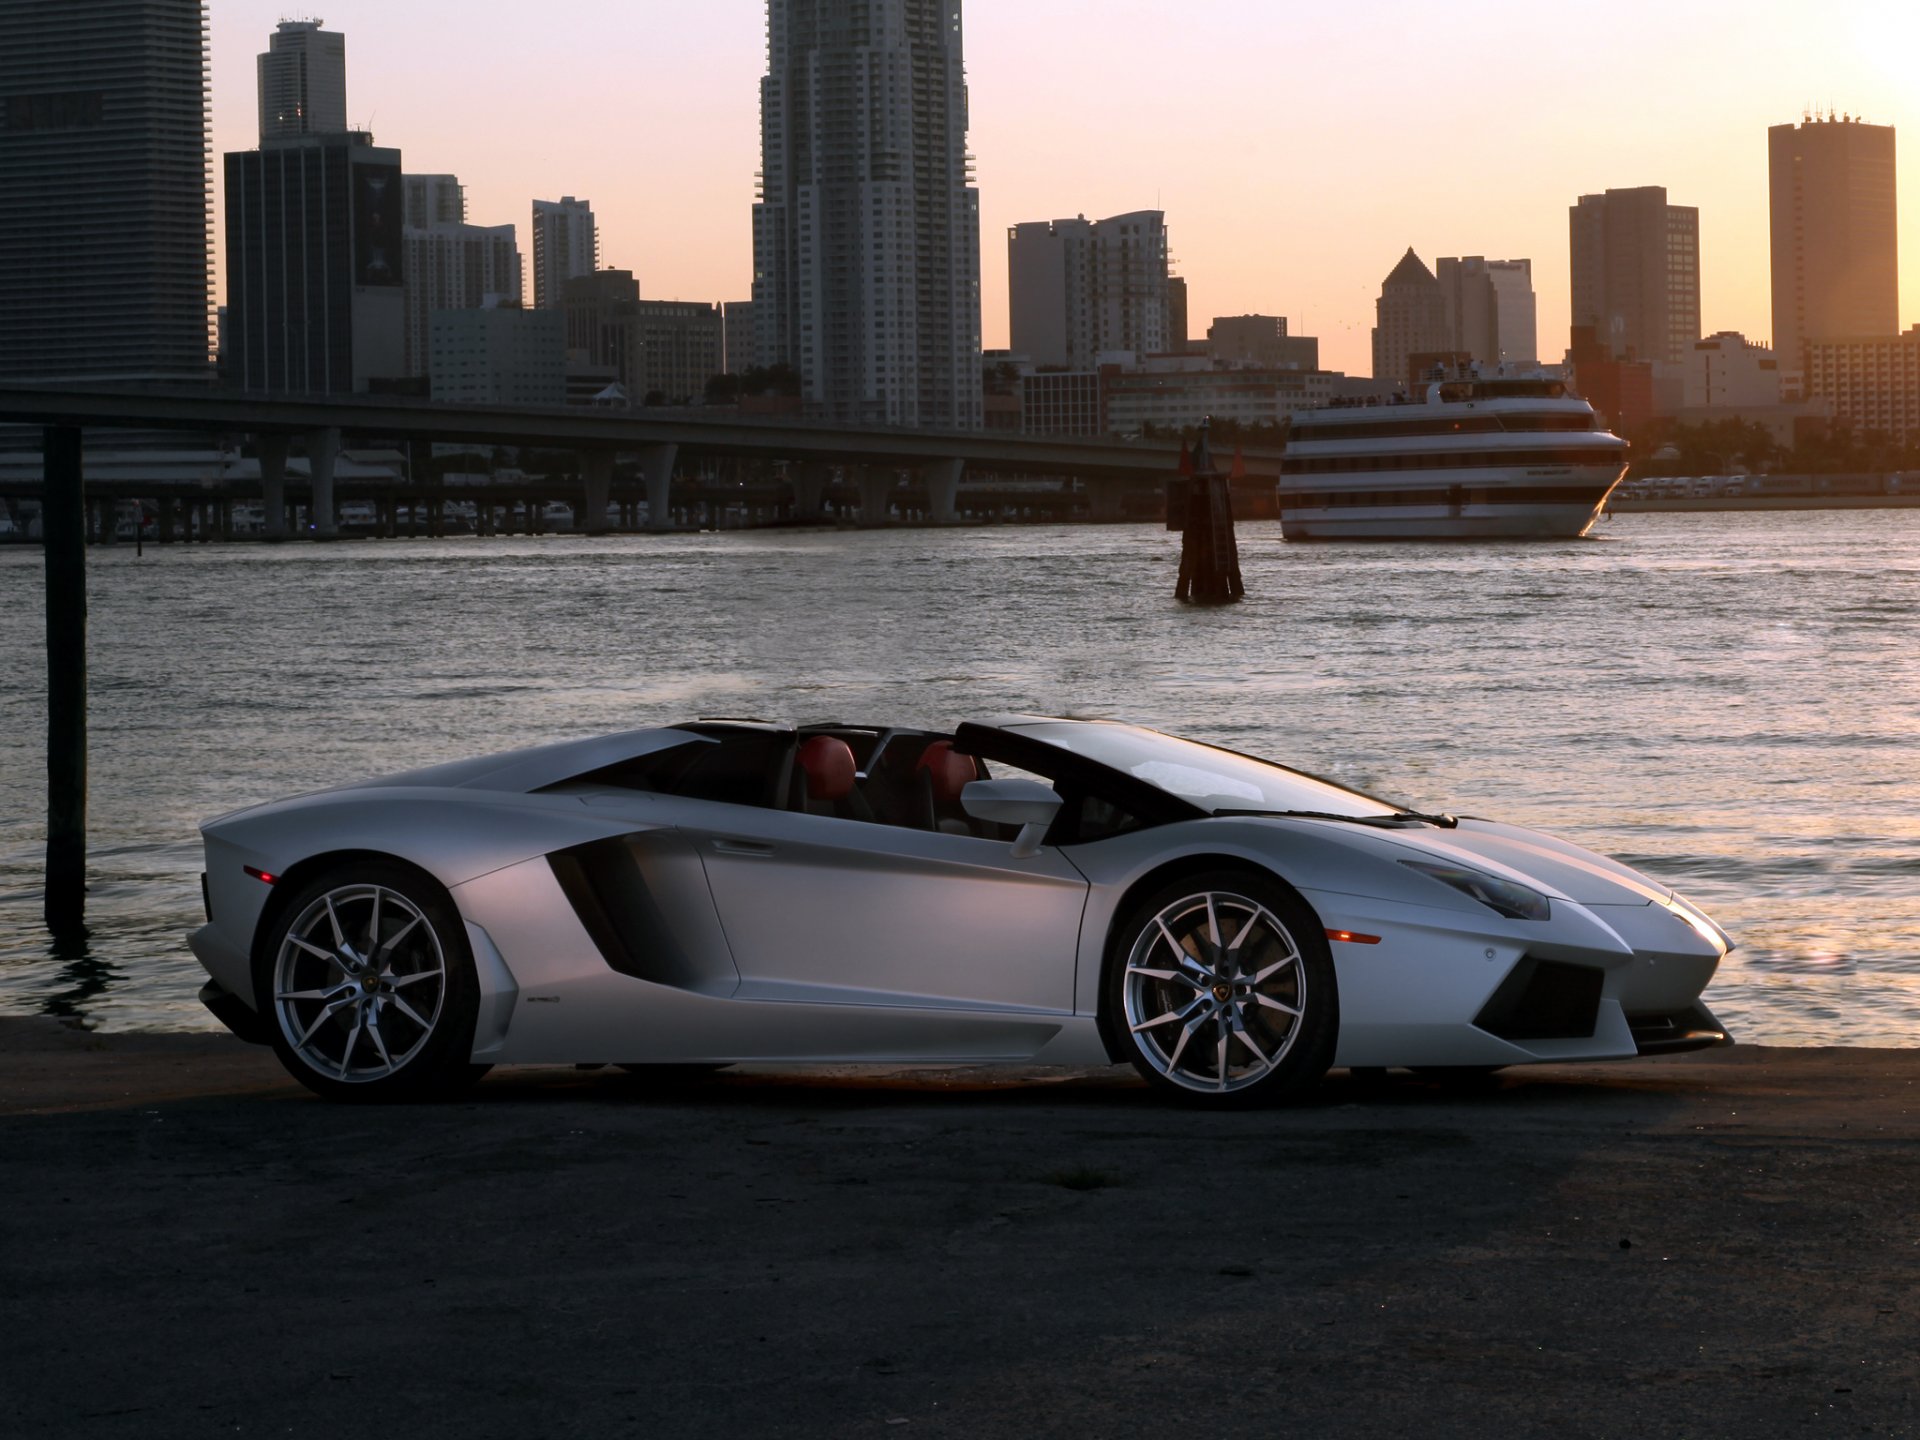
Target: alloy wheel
x,y
1215,992
359,983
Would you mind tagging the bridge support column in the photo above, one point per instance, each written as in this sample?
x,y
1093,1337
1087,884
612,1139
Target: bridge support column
x,y
273,484
876,492
323,448
1103,501
943,490
596,468
809,483
656,472
63,522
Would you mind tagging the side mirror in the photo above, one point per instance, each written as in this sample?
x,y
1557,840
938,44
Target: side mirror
x,y
1026,803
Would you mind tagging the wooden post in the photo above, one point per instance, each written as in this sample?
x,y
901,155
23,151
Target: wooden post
x,y
63,522
1209,554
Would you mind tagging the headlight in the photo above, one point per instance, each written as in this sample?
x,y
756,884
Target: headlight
x,y
1514,901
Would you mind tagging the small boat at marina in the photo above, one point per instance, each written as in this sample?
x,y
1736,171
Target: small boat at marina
x,y
1501,456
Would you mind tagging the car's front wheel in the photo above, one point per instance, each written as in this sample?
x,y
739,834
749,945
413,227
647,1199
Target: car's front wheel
x,y
369,986
1221,990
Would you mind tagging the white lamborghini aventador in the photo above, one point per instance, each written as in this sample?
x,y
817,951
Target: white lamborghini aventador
x,y
1019,890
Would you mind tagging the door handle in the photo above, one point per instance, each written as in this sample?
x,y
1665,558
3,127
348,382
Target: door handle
x,y
755,848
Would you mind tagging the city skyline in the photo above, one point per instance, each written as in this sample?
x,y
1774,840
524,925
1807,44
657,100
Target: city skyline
x,y
1289,188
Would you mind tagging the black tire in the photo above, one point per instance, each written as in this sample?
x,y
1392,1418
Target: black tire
x,y
1252,989
360,1021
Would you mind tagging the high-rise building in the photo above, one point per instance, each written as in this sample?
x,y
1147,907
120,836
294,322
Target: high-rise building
x,y
1871,382
565,244
499,356
1178,340
1490,310
743,353
1077,289
1636,273
866,235
1835,258
1261,341
682,346
603,326
1410,318
303,82
316,301
103,182
455,267
434,200
1728,371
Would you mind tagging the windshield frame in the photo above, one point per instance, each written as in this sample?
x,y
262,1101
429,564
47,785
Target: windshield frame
x,y
1317,792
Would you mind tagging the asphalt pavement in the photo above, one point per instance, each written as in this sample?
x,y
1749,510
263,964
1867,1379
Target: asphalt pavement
x,y
1721,1244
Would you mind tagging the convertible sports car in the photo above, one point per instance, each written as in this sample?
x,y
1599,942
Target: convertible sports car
x,y
1019,890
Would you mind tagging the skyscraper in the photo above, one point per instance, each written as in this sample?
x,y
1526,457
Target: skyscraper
x,y
450,265
565,244
103,180
1410,319
1636,273
1490,309
1835,262
866,235
303,82
1077,288
315,265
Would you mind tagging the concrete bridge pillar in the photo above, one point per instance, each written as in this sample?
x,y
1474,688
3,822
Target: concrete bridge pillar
x,y
943,490
656,472
1103,501
596,466
273,484
876,492
323,448
809,490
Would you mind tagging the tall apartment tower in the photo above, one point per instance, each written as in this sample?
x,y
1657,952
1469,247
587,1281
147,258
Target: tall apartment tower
x,y
565,244
303,82
103,181
1410,319
866,235
316,260
1490,309
450,264
1077,288
1636,273
1835,262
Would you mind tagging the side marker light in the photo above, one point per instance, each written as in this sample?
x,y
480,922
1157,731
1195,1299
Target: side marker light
x,y
1353,937
260,875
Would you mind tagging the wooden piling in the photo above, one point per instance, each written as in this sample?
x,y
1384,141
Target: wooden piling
x,y
63,520
1209,554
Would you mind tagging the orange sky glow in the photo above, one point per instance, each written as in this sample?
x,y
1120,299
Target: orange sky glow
x,y
1297,154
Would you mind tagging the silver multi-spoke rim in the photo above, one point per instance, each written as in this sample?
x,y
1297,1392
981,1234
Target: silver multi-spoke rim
x,y
359,983
1215,992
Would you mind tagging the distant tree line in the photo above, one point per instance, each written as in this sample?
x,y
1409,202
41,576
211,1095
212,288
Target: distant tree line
x,y
727,389
1740,447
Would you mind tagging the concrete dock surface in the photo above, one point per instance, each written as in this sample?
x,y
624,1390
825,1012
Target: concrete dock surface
x,y
1718,1244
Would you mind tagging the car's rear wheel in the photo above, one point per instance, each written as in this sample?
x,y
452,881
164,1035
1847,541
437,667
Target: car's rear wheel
x,y
369,986
1221,989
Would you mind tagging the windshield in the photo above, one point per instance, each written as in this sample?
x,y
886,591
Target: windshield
x,y
1215,780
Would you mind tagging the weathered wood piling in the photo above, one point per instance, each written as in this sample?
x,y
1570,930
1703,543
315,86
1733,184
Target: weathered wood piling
x,y
63,521
1200,500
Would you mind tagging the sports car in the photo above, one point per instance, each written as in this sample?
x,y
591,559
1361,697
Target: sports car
x,y
1018,890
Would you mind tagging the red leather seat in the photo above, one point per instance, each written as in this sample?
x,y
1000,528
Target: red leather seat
x,y
827,762
944,773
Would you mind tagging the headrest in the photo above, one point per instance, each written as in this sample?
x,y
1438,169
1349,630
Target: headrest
x,y
950,771
829,765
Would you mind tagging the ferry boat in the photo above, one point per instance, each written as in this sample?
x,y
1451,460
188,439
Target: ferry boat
x,y
1478,457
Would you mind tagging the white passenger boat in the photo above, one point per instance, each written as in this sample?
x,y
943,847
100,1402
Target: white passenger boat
x,y
1477,457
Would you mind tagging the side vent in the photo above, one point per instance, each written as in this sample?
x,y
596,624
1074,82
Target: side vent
x,y
606,883
1544,1000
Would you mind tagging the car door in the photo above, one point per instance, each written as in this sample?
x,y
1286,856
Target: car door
x,y
819,908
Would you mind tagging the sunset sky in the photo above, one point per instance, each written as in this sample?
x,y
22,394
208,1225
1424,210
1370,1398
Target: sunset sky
x,y
1297,150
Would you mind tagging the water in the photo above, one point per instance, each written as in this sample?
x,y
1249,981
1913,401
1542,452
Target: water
x,y
1728,701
